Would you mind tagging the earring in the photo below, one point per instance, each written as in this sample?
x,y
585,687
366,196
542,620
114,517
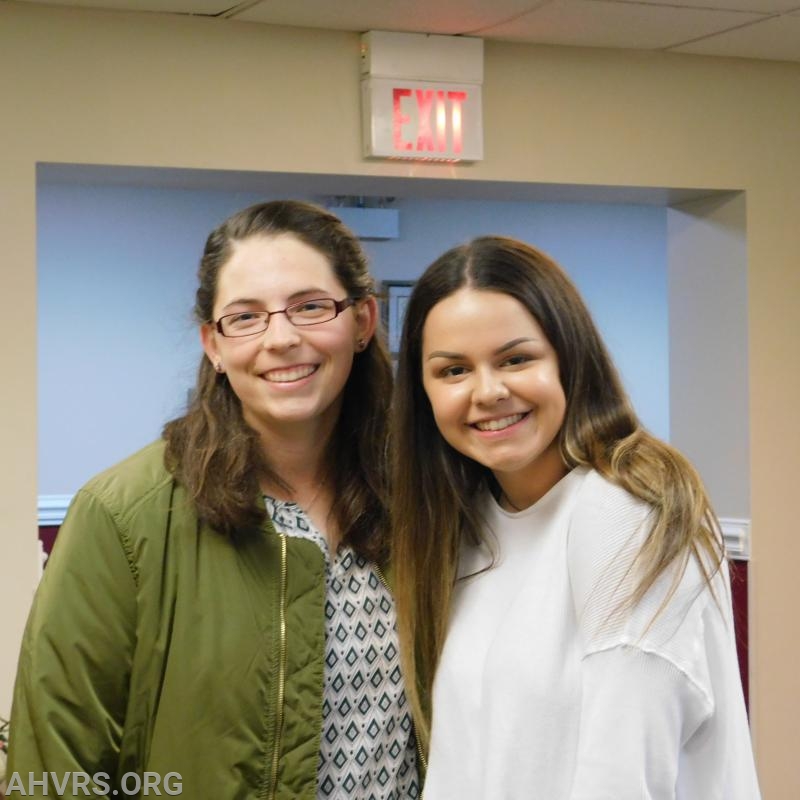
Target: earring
x,y
361,345
218,367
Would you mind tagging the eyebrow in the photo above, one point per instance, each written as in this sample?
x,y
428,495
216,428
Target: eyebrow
x,y
502,349
254,301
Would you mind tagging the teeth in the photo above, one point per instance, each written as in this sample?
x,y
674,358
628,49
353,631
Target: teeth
x,y
498,424
291,374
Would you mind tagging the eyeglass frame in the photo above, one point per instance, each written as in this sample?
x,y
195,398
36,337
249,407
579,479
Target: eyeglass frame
x,y
338,307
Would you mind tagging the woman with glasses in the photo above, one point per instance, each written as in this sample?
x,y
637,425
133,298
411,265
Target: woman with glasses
x,y
563,599
214,613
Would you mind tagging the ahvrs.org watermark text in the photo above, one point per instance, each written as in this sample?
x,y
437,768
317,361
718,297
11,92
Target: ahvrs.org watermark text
x,y
81,784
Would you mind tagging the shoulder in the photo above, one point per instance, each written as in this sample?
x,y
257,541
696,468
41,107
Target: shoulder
x,y
110,517
126,488
606,518
607,529
602,494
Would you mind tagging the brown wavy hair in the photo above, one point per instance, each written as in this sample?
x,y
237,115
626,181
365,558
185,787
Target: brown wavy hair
x,y
434,488
218,457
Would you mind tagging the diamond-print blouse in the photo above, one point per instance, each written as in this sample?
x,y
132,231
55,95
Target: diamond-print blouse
x,y
367,749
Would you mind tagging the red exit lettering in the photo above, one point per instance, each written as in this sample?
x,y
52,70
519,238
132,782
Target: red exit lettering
x,y
437,111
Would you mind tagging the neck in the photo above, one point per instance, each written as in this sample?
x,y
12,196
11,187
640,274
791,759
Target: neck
x,y
521,489
296,455
300,475
505,502
298,480
295,452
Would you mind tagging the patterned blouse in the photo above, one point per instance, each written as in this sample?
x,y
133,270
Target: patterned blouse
x,y
367,749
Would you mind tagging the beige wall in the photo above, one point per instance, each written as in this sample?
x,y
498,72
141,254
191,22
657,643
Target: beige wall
x,y
169,91
708,354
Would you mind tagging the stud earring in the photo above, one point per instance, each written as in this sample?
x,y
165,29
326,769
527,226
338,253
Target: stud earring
x,y
218,367
361,345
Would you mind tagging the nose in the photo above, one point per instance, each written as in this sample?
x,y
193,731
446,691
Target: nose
x,y
490,388
280,333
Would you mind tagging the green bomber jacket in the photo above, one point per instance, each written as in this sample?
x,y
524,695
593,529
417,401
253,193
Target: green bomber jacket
x,y
156,645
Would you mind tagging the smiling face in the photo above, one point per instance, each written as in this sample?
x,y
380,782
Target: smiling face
x,y
492,379
287,377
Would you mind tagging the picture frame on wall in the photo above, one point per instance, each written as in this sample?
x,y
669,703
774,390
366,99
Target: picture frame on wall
x,y
395,295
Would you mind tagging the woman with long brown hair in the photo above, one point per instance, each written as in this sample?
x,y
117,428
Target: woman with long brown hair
x,y
214,613
563,597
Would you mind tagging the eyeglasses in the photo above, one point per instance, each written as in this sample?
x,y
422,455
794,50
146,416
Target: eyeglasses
x,y
307,312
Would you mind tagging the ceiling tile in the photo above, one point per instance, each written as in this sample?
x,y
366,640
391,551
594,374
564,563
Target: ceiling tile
x,y
765,7
442,16
738,28
775,39
165,6
599,23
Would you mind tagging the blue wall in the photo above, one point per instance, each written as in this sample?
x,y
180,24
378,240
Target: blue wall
x,y
118,349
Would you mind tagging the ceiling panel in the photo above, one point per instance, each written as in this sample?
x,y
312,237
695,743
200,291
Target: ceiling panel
x,y
599,23
764,29
756,6
777,38
165,6
441,16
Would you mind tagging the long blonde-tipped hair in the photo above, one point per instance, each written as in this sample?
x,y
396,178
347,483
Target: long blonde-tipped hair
x,y
434,488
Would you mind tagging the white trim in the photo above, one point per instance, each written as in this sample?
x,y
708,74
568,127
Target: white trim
x,y
52,508
736,534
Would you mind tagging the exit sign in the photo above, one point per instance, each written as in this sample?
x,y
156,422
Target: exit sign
x,y
421,120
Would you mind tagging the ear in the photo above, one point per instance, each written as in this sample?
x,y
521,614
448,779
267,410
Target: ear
x,y
208,338
366,313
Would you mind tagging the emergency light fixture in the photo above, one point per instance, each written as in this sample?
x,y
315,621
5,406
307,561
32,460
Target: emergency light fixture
x,y
421,96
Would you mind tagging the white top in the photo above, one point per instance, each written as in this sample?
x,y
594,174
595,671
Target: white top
x,y
367,747
548,691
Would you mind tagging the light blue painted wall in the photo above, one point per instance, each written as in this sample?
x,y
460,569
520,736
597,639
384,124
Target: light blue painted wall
x,y
118,350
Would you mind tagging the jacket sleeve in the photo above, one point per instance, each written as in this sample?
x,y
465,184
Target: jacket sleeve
x,y
71,691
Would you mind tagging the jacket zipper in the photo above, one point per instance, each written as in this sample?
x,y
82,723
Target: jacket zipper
x,y
281,671
420,754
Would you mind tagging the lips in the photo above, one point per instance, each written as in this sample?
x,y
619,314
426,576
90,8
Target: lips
x,y
498,424
290,374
